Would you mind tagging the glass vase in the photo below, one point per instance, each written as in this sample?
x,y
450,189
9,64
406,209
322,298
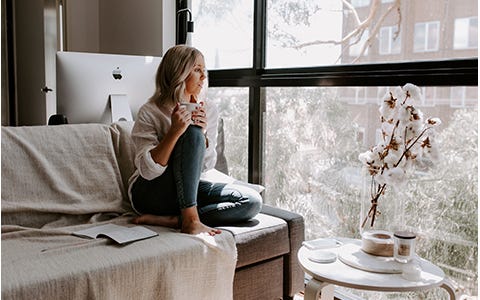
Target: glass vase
x,y
390,209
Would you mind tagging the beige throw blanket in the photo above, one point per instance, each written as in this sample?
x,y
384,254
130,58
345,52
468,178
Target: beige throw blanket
x,y
52,264
60,179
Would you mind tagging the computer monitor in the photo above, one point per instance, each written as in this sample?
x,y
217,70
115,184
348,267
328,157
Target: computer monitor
x,y
90,86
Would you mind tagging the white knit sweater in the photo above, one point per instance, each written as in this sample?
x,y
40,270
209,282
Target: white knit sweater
x,y
151,125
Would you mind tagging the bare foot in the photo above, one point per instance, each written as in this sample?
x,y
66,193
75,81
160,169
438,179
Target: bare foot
x,y
196,227
167,221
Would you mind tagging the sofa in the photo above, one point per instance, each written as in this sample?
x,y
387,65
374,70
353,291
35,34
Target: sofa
x,y
60,179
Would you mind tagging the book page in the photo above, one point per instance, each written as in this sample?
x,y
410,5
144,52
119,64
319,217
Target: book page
x,y
130,234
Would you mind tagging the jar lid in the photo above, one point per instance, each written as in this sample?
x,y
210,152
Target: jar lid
x,y
404,235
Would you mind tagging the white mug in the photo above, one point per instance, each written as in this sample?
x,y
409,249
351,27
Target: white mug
x,y
190,106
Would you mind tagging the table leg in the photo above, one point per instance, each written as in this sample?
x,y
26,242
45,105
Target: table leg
x,y
451,290
314,288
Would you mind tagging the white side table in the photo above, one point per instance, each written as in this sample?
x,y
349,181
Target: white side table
x,y
326,275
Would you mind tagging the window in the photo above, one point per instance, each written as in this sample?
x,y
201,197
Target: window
x,y
430,97
458,96
355,95
300,113
388,42
463,97
360,3
297,30
426,36
314,160
358,49
224,32
232,104
466,33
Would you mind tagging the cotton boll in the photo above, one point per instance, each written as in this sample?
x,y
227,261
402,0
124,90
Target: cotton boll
x,y
412,130
380,179
388,107
371,162
366,157
404,114
387,129
395,177
392,158
399,94
413,91
386,112
429,149
434,121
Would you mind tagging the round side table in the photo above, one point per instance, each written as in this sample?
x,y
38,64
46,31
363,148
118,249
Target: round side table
x,y
326,275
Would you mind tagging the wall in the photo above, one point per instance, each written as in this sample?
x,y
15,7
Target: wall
x,y
4,78
118,27
140,27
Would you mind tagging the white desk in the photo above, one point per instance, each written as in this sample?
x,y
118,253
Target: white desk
x,y
326,275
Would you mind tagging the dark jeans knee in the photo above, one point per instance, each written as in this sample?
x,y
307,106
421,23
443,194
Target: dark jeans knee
x,y
254,204
194,136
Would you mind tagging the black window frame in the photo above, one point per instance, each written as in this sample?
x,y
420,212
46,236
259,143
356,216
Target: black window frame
x,y
445,72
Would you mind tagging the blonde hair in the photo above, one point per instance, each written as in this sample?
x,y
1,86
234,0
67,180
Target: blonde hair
x,y
172,72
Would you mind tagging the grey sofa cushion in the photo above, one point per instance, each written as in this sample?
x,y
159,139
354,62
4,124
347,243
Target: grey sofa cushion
x,y
259,239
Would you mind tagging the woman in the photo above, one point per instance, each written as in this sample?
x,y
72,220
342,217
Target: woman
x,y
173,146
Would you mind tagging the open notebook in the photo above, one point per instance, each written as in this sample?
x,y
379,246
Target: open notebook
x,y
119,234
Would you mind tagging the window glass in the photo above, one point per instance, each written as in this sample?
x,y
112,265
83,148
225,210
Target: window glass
x,y
224,32
473,33
232,104
329,32
311,166
466,33
433,36
426,37
360,3
359,49
388,42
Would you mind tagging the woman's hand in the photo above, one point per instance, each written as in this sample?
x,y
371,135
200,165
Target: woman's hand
x,y
181,119
199,117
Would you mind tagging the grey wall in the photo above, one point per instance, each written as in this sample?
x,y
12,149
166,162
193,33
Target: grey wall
x,y
135,27
119,26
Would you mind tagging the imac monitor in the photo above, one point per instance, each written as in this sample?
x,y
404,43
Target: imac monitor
x,y
103,88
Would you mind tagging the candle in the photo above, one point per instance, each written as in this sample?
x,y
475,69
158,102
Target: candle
x,y
403,246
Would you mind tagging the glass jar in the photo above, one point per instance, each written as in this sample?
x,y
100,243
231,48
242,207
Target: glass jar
x,y
403,246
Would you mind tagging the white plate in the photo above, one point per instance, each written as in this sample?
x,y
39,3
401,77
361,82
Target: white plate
x,y
323,257
353,256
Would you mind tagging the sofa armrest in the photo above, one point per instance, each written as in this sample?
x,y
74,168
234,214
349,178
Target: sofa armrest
x,y
293,274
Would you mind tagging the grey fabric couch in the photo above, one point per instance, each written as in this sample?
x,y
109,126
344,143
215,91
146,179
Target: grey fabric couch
x,y
43,202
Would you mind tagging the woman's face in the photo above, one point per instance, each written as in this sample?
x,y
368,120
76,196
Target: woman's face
x,y
194,81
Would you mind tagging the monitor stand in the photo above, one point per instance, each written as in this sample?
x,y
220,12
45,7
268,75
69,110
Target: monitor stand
x,y
119,108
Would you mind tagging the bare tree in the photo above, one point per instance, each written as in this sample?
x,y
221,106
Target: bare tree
x,y
371,24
